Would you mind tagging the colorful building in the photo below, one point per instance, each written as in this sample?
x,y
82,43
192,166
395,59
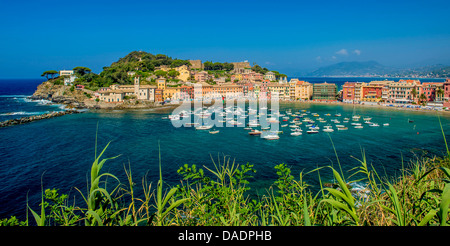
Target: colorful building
x,y
324,91
402,91
348,92
371,93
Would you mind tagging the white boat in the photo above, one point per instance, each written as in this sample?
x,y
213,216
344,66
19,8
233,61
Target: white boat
x,y
367,122
271,137
248,128
386,124
359,127
214,132
296,133
355,124
293,126
374,124
328,130
284,125
203,127
367,118
312,131
342,128
337,115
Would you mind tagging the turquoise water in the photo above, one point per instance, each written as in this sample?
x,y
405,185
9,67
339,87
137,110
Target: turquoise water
x,y
61,150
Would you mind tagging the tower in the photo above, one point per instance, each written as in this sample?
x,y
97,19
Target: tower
x,y
136,86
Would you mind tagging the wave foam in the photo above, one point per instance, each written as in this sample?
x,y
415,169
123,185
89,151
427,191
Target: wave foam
x,y
24,113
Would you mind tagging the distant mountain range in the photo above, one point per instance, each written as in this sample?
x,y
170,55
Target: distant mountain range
x,y
375,69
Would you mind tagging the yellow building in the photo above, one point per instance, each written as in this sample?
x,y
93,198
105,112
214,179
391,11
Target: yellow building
x,y
172,93
303,90
185,73
161,82
281,89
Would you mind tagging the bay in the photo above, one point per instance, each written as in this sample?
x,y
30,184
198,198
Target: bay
x,y
60,151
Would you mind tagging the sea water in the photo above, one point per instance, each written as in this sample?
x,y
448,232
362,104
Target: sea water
x,y
60,151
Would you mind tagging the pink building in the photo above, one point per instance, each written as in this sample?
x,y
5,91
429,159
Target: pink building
x,y
431,91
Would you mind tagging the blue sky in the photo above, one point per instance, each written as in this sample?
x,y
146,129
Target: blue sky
x,y
287,36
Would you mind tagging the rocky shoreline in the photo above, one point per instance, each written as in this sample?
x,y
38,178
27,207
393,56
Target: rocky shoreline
x,y
29,119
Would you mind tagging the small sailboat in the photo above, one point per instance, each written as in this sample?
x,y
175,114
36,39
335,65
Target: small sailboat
x,y
296,133
203,127
214,132
386,124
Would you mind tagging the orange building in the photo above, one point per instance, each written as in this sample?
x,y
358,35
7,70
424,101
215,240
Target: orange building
x,y
348,92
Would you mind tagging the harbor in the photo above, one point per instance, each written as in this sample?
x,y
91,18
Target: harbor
x,y
271,124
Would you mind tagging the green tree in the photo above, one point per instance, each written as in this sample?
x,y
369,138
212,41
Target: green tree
x,y
51,73
80,71
160,73
173,73
439,94
422,98
414,93
208,65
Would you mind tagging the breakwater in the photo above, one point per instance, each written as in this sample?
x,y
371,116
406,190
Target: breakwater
x,y
29,119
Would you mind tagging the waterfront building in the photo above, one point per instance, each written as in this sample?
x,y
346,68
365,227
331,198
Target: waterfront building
x,y
433,91
348,92
172,93
303,90
402,91
385,88
187,92
281,89
204,93
230,91
324,91
117,93
292,85
446,98
371,93
159,95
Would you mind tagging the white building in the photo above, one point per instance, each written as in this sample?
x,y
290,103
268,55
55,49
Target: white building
x,y
65,72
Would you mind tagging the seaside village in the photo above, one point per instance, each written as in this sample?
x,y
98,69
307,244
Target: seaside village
x,y
246,83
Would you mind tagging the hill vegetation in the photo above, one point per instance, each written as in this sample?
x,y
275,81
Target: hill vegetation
x,y
145,65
